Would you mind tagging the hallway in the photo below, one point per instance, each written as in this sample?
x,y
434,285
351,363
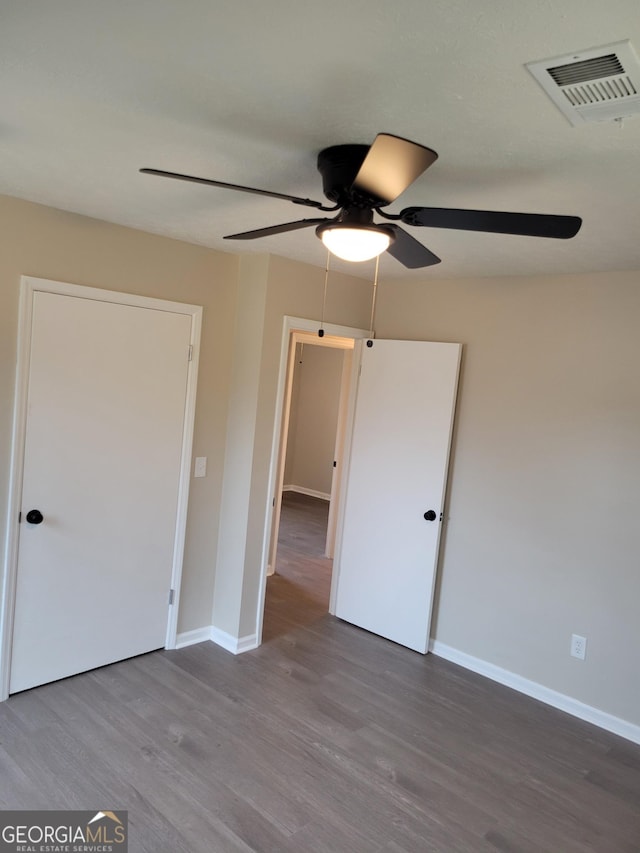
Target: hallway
x,y
298,593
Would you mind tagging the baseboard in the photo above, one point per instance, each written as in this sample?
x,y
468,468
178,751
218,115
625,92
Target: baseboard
x,y
190,638
627,730
302,490
235,645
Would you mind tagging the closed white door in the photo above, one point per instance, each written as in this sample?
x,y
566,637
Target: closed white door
x,y
387,558
104,434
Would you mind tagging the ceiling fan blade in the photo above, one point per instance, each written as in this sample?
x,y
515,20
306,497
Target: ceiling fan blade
x,y
391,165
275,229
499,222
295,199
409,251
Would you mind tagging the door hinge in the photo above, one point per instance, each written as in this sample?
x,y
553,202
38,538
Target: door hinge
x,y
335,464
20,517
190,352
172,594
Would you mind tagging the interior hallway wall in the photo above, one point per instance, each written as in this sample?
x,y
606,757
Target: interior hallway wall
x,y
313,422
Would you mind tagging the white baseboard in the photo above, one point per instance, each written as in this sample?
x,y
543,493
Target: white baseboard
x,y
189,638
235,645
247,643
627,730
302,490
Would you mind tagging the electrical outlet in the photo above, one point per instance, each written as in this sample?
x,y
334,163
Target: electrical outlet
x,y
578,646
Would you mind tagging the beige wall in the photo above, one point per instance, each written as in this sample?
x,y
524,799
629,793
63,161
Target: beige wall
x,y
313,424
241,427
49,243
543,538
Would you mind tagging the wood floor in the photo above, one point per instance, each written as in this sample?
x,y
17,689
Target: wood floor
x,y
298,593
326,738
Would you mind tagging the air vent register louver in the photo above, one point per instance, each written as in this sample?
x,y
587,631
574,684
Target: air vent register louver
x,y
600,84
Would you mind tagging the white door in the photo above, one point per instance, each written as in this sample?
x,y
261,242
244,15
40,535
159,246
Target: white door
x,y
388,553
104,433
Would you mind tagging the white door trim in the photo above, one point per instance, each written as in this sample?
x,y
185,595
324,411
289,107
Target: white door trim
x,y
289,326
29,286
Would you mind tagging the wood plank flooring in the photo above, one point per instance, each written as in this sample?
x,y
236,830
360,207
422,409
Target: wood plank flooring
x,y
325,739
298,593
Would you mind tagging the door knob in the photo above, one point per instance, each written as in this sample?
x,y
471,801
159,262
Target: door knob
x,y
34,516
430,515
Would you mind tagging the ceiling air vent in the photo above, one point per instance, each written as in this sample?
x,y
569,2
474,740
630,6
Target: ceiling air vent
x,y
600,84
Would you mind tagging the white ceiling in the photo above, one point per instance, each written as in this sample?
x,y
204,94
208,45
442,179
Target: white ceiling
x,y
249,92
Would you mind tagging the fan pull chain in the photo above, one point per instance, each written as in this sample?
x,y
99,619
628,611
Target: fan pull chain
x,y
324,295
373,304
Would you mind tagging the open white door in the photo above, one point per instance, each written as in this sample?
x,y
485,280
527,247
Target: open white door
x,y
387,555
105,431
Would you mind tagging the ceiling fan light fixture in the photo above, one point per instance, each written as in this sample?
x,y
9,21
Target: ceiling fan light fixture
x,y
355,243
360,179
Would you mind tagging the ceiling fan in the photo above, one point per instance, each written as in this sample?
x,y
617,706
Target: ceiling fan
x,y
361,179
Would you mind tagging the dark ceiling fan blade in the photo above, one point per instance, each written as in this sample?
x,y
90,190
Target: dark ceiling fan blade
x,y
295,199
499,222
275,229
409,251
391,165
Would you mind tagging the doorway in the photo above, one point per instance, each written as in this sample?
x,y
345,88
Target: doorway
x,y
393,511
398,430
309,466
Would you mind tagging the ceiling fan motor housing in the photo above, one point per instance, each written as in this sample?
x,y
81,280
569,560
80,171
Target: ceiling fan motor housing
x,y
339,166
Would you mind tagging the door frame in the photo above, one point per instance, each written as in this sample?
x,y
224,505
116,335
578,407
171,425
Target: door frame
x,y
28,287
328,342
291,325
